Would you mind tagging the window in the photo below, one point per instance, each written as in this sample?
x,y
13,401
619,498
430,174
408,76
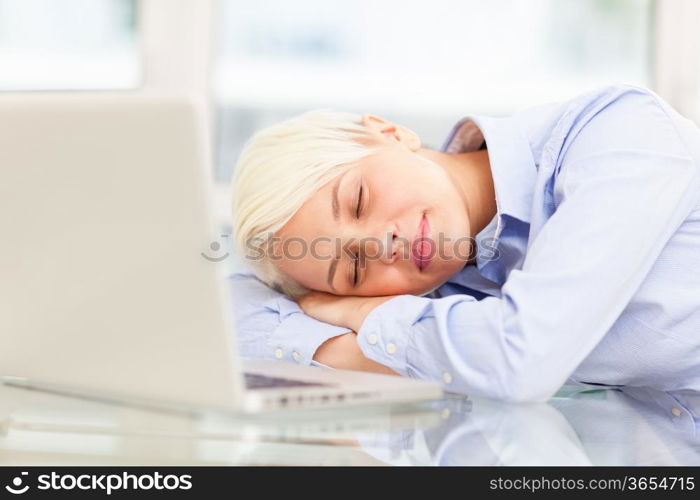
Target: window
x,y
68,44
422,65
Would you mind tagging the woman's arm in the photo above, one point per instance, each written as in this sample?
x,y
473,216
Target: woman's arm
x,y
267,321
343,352
620,200
270,325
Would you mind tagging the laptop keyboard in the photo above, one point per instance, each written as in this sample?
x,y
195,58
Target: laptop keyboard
x,y
255,381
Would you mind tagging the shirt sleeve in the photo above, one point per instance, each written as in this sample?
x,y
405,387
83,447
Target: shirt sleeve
x,y
617,206
269,325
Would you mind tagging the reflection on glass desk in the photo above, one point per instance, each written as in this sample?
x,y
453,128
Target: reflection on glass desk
x,y
581,425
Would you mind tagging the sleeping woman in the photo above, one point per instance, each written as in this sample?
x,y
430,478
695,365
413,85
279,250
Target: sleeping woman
x,y
560,244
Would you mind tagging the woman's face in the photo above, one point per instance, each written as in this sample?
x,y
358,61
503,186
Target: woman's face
x,y
393,224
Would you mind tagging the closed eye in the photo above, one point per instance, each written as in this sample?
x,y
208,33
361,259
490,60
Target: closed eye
x,y
356,273
353,270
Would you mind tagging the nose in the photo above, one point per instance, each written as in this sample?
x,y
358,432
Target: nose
x,y
383,247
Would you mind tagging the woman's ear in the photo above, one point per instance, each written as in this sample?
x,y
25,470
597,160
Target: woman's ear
x,y
378,125
392,132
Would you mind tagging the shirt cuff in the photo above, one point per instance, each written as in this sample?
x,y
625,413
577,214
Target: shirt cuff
x,y
387,330
298,336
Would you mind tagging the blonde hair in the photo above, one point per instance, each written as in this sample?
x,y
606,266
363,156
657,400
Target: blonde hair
x,y
280,168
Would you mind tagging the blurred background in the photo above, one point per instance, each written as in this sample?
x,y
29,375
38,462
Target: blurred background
x,y
423,64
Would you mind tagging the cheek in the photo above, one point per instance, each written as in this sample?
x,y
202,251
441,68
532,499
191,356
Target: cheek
x,y
396,199
429,191
310,273
391,281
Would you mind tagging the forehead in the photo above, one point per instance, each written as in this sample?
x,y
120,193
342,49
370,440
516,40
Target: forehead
x,y
305,245
315,212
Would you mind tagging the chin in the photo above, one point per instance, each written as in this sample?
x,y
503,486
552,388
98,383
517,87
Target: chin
x,y
439,280
429,286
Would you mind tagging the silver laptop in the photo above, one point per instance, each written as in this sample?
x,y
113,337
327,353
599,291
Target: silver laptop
x,y
104,213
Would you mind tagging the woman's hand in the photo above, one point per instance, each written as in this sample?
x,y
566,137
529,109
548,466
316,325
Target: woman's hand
x,y
348,311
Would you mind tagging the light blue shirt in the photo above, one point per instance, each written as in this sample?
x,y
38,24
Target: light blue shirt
x,y
597,275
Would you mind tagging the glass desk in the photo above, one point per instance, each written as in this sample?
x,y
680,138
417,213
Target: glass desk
x,y
579,426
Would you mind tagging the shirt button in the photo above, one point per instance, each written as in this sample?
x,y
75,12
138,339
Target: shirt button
x,y
447,377
296,356
391,348
279,353
372,339
676,411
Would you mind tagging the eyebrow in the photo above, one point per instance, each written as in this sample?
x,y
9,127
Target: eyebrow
x,y
331,273
335,204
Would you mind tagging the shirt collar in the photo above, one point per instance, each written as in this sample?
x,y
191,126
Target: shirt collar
x,y
510,157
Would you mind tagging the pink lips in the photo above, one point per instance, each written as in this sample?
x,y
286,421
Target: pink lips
x,y
422,249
